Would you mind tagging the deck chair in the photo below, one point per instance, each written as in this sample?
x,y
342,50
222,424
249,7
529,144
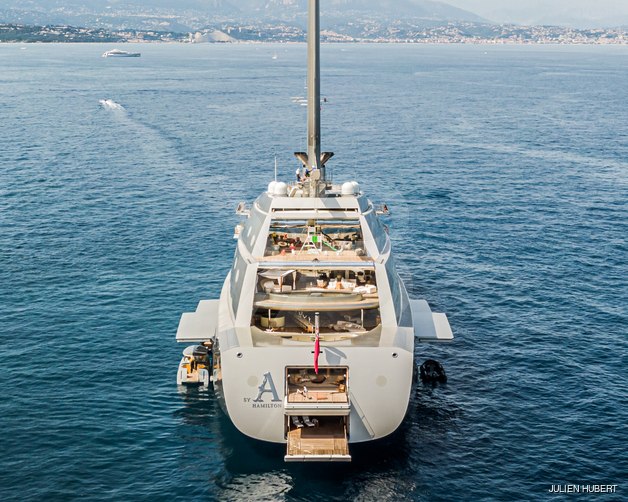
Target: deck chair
x,y
296,421
310,423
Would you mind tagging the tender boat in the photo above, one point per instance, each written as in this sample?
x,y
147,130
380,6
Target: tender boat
x,y
311,343
117,53
195,366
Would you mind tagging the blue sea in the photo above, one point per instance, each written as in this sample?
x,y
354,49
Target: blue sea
x,y
506,171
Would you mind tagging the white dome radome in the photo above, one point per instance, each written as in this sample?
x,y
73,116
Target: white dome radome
x,y
281,189
348,188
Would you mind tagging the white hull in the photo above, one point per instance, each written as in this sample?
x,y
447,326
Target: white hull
x,y
256,355
115,53
380,386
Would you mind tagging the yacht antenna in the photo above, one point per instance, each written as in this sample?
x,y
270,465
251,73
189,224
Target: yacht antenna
x,y
275,167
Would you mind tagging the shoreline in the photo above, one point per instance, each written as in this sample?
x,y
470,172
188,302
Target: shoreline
x,y
466,34
486,43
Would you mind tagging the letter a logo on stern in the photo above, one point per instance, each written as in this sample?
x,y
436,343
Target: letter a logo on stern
x,y
267,386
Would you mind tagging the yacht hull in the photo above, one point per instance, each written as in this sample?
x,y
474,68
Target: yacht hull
x,y
252,389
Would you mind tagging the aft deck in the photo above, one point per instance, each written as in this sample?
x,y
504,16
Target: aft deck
x,y
327,395
306,387
327,439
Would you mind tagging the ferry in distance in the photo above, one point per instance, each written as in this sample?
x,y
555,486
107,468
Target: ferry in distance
x,y
117,53
311,343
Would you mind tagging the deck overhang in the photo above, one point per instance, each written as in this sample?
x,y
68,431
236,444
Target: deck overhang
x,y
199,326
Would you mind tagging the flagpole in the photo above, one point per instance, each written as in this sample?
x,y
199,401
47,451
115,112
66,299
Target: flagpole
x,y
316,342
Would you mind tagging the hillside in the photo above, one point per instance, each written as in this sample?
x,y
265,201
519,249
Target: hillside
x,y
193,14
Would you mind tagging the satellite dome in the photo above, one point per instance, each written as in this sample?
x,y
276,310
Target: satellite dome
x,y
348,188
281,188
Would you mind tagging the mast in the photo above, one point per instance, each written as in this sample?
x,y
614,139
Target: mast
x,y
314,160
314,90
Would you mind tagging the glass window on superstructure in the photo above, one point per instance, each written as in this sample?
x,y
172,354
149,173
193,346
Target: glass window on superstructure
x,y
236,279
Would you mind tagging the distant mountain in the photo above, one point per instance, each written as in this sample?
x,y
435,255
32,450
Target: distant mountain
x,y
204,11
195,13
93,5
576,13
387,9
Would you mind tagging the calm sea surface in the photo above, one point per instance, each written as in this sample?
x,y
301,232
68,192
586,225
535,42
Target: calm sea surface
x,y
506,169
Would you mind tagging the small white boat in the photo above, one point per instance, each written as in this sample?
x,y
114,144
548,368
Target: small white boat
x,y
194,366
110,104
120,54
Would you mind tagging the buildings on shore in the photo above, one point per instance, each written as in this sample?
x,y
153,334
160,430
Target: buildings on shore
x,y
373,32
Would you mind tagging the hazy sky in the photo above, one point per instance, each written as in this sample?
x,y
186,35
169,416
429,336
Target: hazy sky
x,y
546,10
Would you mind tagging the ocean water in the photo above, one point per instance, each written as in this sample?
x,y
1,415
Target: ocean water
x,y
506,170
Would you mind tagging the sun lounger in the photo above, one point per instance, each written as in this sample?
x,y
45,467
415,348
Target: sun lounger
x,y
310,423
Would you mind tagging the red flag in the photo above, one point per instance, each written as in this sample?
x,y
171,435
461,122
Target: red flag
x,y
317,348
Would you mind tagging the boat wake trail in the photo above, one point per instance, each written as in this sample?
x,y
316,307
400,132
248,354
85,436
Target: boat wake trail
x,y
138,132
110,104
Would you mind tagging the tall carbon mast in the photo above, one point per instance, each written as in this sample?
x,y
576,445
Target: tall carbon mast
x,y
314,89
314,160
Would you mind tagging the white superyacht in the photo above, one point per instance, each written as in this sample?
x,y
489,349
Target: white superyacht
x,y
311,343
117,53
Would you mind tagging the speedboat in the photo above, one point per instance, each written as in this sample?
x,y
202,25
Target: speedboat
x,y
120,54
194,366
312,339
110,104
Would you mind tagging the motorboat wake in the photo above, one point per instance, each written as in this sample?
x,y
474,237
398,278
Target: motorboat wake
x,y
110,104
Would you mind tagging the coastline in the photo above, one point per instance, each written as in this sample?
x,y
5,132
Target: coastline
x,y
463,34
352,42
